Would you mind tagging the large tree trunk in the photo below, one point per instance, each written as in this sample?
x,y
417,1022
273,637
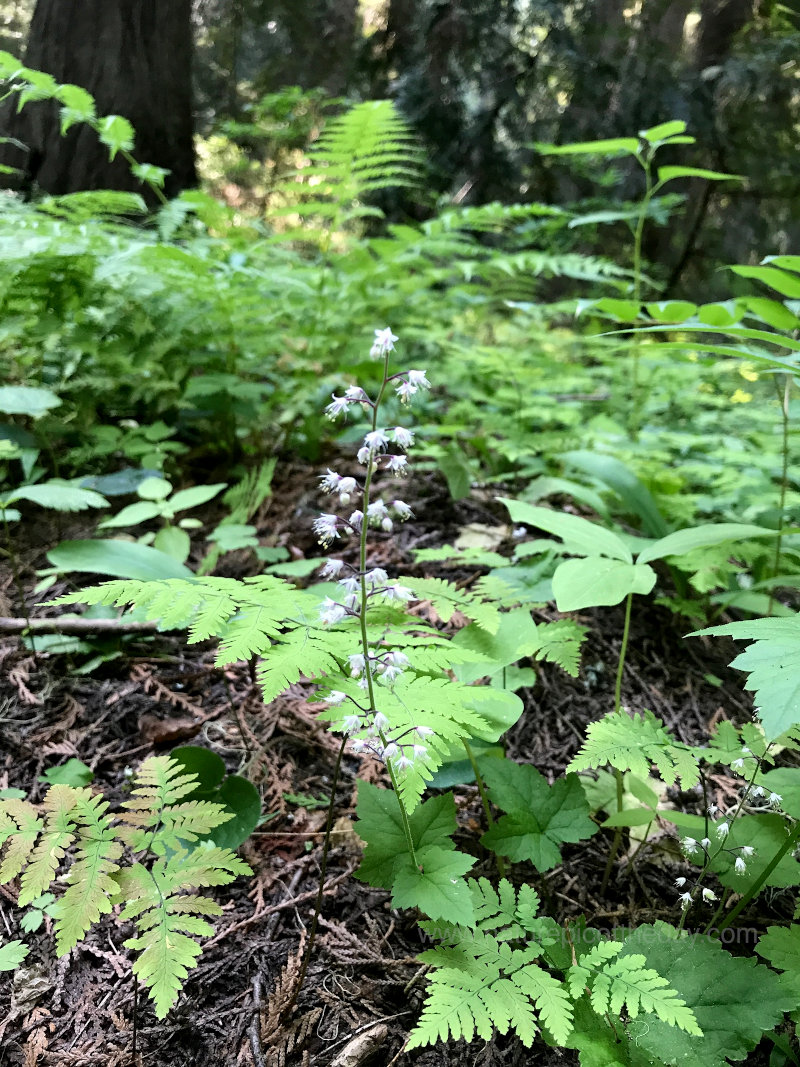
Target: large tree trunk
x,y
134,57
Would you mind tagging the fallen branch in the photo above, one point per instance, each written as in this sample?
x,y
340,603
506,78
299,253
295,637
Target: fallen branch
x,y
74,624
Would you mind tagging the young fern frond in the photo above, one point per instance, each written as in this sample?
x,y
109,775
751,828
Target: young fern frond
x,y
156,822
633,743
481,982
615,982
446,598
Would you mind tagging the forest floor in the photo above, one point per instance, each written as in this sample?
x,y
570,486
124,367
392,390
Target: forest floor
x,y
364,987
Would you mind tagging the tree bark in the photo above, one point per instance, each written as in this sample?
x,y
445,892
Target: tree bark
x,y
134,57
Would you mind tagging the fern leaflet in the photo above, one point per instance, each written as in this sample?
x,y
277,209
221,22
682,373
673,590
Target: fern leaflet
x,y
633,743
447,598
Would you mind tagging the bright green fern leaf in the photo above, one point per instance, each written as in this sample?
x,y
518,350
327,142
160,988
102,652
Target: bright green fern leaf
x,y
633,743
56,837
446,597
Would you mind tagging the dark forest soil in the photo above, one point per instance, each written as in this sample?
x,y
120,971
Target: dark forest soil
x,y
364,987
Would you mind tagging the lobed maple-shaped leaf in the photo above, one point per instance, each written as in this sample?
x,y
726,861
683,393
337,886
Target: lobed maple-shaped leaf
x,y
539,817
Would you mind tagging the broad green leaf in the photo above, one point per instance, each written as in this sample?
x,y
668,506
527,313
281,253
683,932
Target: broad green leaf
x,y
772,312
436,886
58,497
671,310
241,798
765,833
27,400
515,639
499,709
154,489
667,174
781,946
671,128
196,495
587,583
579,535
734,999
684,541
611,146
73,772
173,542
12,954
380,826
539,818
132,515
634,494
785,781
116,133
782,282
622,310
773,663
116,559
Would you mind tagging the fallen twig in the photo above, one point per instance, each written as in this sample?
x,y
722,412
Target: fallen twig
x,y
74,624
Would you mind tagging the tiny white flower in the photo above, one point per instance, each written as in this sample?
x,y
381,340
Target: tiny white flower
x,y
356,665
350,585
325,528
329,481
709,895
358,745
405,391
387,525
758,791
377,510
423,731
351,601
390,751
376,440
746,751
403,437
345,488
332,568
774,800
737,764
377,576
339,406
418,380
401,509
399,659
330,612
420,752
685,899
355,392
356,519
363,455
722,830
351,724
363,683
380,722
747,850
383,343
396,464
689,846
712,810
740,866
389,672
402,763
398,592
705,843
335,697
680,883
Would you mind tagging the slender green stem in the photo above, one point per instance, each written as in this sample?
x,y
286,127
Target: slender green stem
x,y
617,839
784,404
487,809
362,566
626,629
638,237
787,846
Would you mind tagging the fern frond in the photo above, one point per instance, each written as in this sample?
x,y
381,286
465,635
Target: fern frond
x,y
90,887
480,982
446,598
165,915
633,743
626,982
152,818
561,643
302,652
20,826
55,838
